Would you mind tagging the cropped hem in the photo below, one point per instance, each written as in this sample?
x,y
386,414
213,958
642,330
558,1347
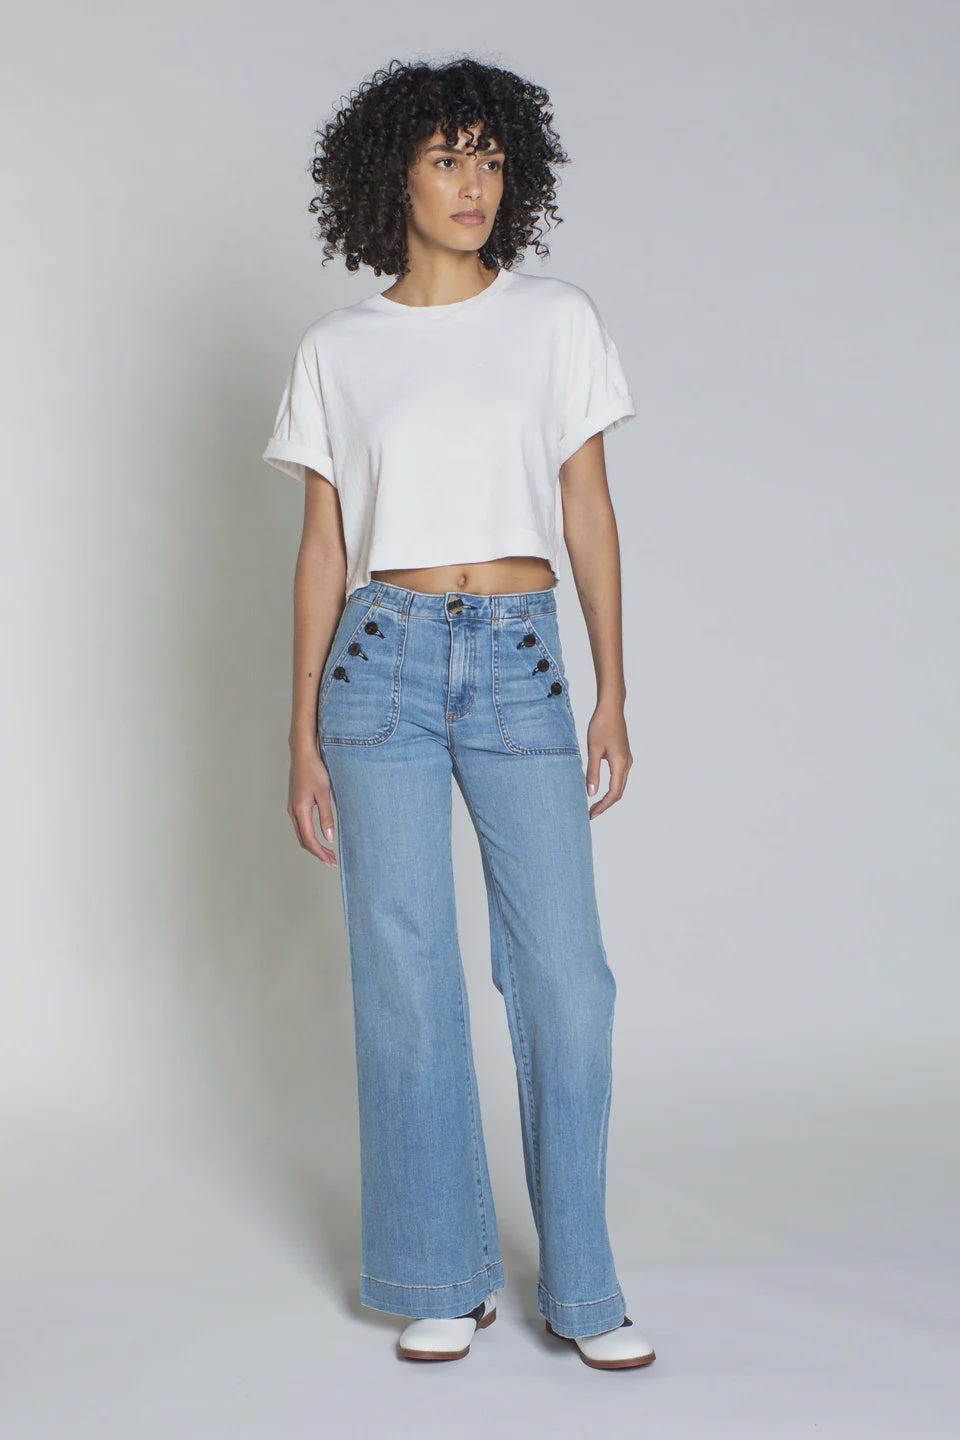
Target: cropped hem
x,y
582,1318
469,548
491,545
293,458
432,1302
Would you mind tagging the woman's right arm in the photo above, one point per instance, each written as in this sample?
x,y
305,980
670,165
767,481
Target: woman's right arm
x,y
318,600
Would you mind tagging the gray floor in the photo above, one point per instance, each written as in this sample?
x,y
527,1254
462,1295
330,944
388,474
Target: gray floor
x,y
802,1284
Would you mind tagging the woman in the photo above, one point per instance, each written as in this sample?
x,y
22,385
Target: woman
x,y
448,432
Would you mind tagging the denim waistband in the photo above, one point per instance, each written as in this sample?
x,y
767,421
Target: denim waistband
x,y
454,602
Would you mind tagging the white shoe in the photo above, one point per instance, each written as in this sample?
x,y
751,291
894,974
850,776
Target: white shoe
x,y
611,1349
446,1339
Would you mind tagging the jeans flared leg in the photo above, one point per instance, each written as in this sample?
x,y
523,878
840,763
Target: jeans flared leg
x,y
475,686
550,965
429,1242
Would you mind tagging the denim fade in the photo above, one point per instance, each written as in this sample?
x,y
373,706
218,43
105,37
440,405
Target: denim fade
x,y
418,689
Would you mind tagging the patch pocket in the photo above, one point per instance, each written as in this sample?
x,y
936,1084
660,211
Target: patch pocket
x,y
359,699
530,687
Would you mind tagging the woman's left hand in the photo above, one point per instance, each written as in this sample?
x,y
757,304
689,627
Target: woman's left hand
x,y
607,740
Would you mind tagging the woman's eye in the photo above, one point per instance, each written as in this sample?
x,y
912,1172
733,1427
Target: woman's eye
x,y
445,158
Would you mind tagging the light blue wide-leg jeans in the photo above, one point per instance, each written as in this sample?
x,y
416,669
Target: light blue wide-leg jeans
x,y
418,690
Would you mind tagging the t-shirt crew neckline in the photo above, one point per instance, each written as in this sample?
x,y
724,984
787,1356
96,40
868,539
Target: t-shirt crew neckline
x,y
394,307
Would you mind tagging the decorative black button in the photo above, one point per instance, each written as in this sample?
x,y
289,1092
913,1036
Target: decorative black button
x,y
527,640
555,688
542,664
372,628
340,674
355,648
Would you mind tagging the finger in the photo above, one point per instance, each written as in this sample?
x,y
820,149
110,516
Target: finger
x,y
303,823
325,810
601,804
593,770
619,769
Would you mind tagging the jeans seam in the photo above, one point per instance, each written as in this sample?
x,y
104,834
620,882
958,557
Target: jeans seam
x,y
528,1084
605,1120
471,679
576,1304
473,1117
344,868
454,1284
534,1131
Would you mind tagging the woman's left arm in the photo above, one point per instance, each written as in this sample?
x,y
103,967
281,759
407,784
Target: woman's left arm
x,y
593,544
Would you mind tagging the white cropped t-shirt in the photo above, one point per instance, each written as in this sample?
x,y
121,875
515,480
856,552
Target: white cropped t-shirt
x,y
444,427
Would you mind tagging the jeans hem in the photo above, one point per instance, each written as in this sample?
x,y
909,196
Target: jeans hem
x,y
432,1302
587,1318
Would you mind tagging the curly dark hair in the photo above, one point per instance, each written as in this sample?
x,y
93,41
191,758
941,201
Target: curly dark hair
x,y
365,152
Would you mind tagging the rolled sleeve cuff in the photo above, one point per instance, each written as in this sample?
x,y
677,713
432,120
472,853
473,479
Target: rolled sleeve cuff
x,y
608,418
294,458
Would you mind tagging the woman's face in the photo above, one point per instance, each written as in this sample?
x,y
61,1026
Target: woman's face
x,y
447,183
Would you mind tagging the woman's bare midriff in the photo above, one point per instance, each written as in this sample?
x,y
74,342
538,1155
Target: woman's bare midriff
x,y
510,575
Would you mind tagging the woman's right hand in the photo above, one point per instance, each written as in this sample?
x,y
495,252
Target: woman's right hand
x,y
309,788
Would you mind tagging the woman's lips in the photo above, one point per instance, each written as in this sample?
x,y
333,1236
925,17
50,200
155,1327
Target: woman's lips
x,y
468,219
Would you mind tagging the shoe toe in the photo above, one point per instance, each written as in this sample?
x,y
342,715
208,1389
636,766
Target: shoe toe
x,y
444,1339
614,1349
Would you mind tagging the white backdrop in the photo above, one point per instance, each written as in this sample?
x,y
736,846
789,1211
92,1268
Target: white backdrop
x,y
763,202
